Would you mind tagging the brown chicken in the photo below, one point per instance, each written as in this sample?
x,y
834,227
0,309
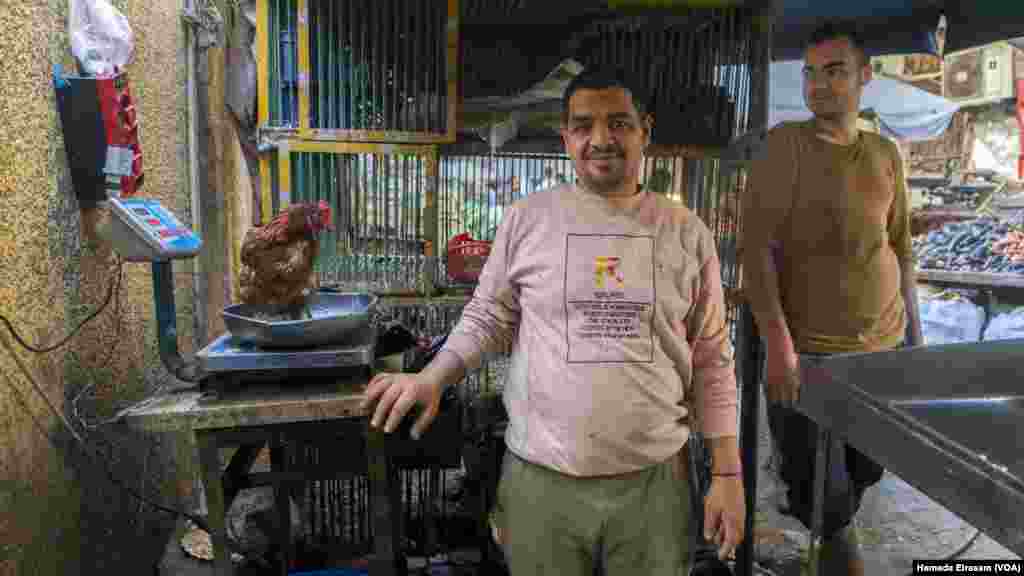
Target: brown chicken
x,y
277,258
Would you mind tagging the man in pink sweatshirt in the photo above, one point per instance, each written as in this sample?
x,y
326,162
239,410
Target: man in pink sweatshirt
x,y
610,299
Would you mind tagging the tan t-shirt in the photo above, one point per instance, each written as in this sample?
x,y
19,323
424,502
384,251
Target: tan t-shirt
x,y
841,216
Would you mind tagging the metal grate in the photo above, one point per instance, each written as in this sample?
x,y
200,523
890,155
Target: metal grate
x,y
694,65
379,65
337,524
277,32
429,319
475,190
359,70
379,195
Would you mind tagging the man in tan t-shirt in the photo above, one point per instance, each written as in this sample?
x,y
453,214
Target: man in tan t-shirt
x,y
828,267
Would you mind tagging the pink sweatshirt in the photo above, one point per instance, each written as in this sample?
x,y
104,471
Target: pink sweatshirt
x,y
616,323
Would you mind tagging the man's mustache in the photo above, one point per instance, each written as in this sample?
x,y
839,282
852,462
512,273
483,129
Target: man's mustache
x,y
604,153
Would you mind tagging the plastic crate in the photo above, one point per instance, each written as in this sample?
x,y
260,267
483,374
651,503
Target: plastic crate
x,y
466,258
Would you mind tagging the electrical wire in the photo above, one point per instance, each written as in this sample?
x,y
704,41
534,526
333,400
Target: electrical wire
x,y
86,449
106,360
93,456
44,349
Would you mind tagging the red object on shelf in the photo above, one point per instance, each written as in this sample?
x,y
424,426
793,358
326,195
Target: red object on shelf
x,y
466,258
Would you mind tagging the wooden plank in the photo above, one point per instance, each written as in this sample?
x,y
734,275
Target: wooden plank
x,y
972,279
263,62
332,147
284,175
255,405
551,146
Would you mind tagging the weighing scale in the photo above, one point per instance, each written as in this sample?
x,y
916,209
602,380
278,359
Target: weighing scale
x,y
143,230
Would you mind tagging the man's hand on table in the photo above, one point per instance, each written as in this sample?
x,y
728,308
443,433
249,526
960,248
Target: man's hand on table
x,y
396,394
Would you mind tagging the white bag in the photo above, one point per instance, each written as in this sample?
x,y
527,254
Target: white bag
x,y
101,38
1009,326
950,321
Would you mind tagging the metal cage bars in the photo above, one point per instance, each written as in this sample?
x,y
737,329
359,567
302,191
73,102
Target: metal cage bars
x,y
358,70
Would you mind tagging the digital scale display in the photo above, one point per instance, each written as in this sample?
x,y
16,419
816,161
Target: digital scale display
x,y
158,234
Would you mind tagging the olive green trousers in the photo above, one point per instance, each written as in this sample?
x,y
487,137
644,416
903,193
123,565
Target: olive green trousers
x,y
635,524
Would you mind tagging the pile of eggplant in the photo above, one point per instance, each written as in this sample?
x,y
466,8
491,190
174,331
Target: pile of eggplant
x,y
972,246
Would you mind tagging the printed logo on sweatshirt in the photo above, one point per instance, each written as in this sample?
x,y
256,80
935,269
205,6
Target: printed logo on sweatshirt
x,y
607,268
609,298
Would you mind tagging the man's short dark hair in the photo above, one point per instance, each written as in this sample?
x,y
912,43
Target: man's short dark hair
x,y
603,79
837,30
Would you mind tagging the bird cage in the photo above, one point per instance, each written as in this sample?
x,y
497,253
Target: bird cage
x,y
358,70
694,64
382,202
475,190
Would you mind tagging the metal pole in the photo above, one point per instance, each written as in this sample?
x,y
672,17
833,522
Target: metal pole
x,y
822,462
749,340
749,347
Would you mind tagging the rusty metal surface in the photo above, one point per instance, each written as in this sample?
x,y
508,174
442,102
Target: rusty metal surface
x,y
945,419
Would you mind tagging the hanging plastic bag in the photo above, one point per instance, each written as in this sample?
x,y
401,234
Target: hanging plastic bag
x,y
101,39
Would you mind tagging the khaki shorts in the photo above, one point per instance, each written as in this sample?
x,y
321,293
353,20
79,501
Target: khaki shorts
x,y
632,524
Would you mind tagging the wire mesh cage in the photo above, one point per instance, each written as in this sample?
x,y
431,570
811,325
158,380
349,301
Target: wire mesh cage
x,y
381,198
277,39
335,509
694,65
359,70
474,191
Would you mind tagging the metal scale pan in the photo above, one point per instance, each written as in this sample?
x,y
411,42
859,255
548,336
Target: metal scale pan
x,y
339,334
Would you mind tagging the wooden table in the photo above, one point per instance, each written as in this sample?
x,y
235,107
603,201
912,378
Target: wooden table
x,y
262,415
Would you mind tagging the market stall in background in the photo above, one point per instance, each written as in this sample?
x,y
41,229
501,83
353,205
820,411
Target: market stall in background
x,y
968,217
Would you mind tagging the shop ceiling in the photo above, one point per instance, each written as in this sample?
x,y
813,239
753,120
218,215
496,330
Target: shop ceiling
x,y
549,30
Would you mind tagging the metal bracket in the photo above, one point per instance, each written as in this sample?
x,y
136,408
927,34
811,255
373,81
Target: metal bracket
x,y
265,143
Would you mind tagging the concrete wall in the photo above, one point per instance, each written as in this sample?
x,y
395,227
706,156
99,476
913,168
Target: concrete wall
x,y
58,514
